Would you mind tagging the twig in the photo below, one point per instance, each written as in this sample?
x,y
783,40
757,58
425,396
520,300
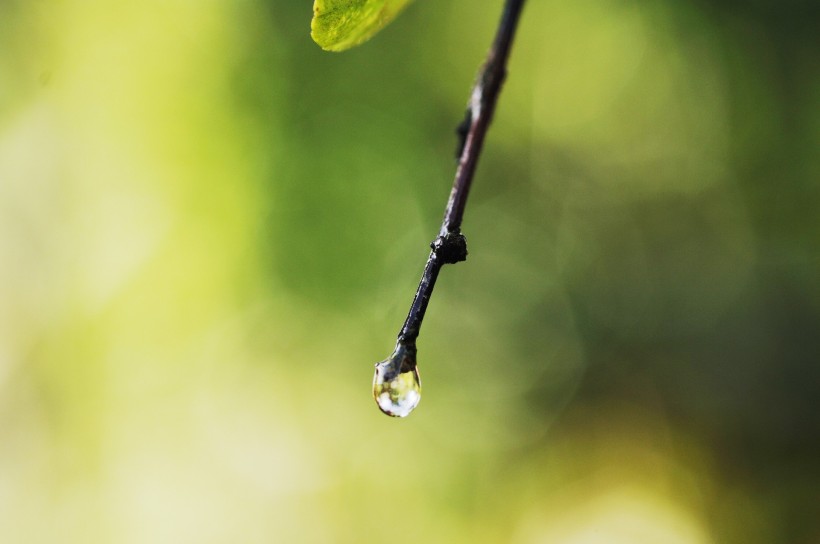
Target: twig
x,y
450,246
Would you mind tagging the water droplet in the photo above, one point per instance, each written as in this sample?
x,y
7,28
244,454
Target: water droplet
x,y
396,384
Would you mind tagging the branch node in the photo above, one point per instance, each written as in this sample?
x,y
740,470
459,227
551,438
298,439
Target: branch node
x,y
461,131
450,247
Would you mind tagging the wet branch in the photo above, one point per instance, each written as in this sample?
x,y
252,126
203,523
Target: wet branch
x,y
450,246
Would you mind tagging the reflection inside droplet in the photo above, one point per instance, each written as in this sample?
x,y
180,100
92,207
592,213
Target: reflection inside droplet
x,y
396,384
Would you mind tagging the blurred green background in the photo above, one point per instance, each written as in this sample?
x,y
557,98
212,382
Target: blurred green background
x,y
210,230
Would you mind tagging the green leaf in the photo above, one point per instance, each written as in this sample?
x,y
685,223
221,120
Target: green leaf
x,y
341,24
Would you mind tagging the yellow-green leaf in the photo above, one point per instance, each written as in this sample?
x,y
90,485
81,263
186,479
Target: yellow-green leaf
x,y
341,24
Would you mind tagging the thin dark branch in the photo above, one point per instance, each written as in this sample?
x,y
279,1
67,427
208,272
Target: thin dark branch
x,y
480,111
450,246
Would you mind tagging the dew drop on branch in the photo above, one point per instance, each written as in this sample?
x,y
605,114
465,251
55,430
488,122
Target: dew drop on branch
x,y
396,383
